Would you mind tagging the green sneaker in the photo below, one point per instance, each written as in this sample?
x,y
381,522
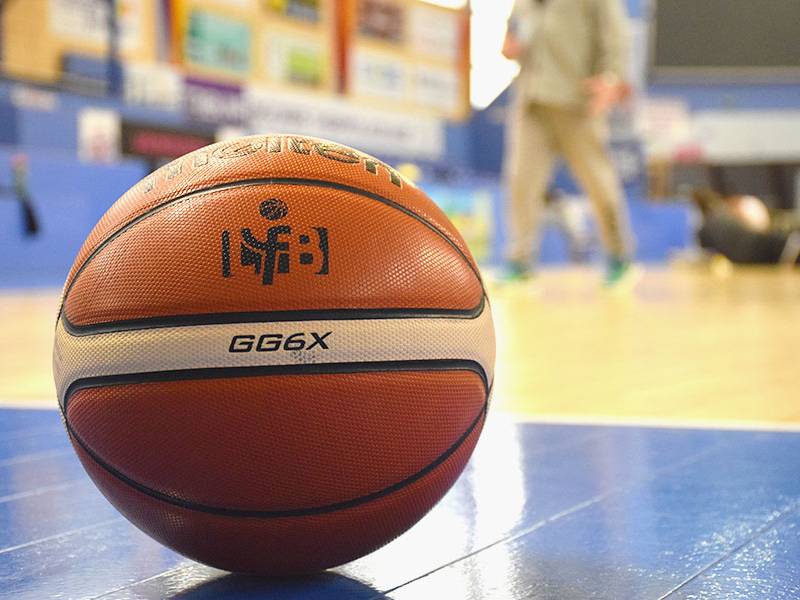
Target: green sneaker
x,y
620,274
517,271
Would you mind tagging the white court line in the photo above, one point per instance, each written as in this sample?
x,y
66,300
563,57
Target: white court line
x,y
63,534
34,456
46,489
550,419
31,292
653,423
32,403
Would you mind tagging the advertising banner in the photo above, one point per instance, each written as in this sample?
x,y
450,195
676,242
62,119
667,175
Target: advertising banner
x,y
434,32
99,131
436,87
378,75
409,53
87,21
304,10
218,42
377,131
295,59
154,85
213,102
382,20
160,143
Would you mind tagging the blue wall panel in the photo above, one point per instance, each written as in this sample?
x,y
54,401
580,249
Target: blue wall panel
x,y
777,96
68,199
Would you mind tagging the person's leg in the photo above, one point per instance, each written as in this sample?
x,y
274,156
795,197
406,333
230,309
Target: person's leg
x,y
528,166
582,141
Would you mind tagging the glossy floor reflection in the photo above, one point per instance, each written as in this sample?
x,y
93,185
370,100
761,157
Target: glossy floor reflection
x,y
542,511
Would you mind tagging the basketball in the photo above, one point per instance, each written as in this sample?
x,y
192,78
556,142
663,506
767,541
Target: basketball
x,y
274,354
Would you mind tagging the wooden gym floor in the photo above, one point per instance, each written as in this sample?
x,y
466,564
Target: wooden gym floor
x,y
685,345
640,445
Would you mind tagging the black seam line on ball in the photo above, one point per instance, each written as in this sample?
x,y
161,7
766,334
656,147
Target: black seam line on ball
x,y
286,513
344,314
387,366
267,181
299,512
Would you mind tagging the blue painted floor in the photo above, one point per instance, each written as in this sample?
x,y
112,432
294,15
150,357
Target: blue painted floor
x,y
542,511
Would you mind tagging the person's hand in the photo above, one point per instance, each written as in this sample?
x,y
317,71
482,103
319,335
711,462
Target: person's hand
x,y
512,48
605,91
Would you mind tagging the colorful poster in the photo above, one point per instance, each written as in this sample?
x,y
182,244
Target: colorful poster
x,y
382,19
217,42
437,87
380,132
294,59
417,58
160,143
434,32
99,132
305,10
238,4
156,85
379,75
213,102
87,21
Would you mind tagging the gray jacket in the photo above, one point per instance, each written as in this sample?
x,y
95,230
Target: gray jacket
x,y
567,41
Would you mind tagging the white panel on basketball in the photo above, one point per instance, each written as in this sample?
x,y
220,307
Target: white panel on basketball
x,y
209,346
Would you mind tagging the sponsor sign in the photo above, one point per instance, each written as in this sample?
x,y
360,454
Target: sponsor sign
x,y
87,21
153,85
160,142
211,102
295,60
376,131
217,42
98,135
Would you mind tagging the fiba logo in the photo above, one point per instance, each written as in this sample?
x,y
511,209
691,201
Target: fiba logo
x,y
278,251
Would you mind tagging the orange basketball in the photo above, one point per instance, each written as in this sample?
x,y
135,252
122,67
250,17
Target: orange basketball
x,y
274,354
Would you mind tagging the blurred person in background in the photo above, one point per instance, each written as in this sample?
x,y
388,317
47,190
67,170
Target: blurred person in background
x,y
19,191
573,56
742,230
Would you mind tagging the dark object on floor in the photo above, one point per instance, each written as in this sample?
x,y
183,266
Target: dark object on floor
x,y
733,228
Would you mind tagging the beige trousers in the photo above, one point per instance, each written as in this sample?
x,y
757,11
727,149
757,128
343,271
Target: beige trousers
x,y
536,136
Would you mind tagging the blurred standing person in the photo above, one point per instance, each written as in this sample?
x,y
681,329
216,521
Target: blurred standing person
x,y
19,165
19,191
572,56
